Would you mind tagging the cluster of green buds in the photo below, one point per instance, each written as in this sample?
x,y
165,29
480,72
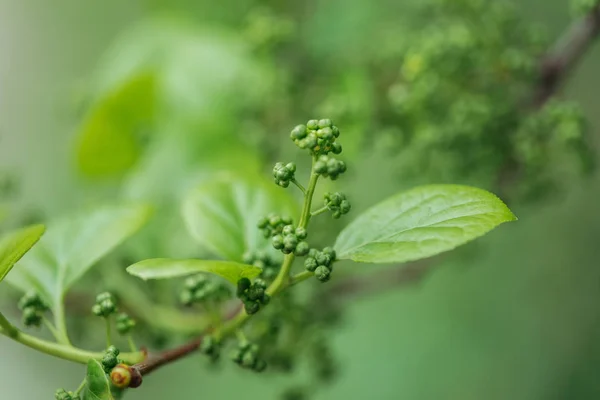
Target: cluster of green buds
x,y
320,262
264,261
199,289
210,347
273,224
246,356
62,394
329,167
318,136
252,294
110,359
337,204
33,308
105,305
291,240
124,323
283,174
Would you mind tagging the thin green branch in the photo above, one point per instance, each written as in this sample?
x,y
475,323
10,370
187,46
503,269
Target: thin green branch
x,y
7,328
131,343
66,352
60,321
80,388
319,211
108,333
299,277
299,185
51,328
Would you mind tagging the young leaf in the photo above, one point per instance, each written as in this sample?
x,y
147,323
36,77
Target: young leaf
x,y
14,245
222,214
162,268
420,223
72,245
98,385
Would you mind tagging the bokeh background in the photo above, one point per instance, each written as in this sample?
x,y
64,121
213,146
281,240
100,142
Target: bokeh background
x,y
185,88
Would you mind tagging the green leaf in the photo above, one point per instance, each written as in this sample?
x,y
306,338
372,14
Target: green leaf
x,y
163,268
222,214
420,223
98,385
72,245
110,139
14,245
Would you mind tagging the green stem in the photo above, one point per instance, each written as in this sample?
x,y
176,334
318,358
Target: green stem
x,y
283,277
319,211
108,335
295,182
80,388
51,328
299,277
65,352
60,322
8,329
132,345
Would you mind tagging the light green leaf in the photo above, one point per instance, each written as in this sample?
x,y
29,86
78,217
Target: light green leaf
x,y
110,142
222,214
72,245
163,268
14,245
98,385
420,223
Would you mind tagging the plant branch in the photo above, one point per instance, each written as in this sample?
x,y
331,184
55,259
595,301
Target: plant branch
x,y
65,352
560,61
239,317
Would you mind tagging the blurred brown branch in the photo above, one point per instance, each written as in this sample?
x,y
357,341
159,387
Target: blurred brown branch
x,y
560,61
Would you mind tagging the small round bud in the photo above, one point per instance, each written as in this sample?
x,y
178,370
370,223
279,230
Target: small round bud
x,y
120,376
291,167
301,233
251,307
330,252
325,123
287,230
260,283
113,350
262,223
299,132
323,273
277,242
310,264
242,285
249,359
312,124
302,249
260,365
336,148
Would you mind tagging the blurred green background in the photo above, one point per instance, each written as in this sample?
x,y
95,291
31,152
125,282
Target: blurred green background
x,y
515,316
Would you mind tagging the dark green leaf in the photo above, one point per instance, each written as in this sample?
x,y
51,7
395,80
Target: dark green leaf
x,y
14,245
163,268
420,223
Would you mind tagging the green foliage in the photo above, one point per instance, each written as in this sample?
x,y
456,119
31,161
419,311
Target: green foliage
x,y
583,7
164,268
98,385
14,245
71,246
420,223
111,135
222,214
